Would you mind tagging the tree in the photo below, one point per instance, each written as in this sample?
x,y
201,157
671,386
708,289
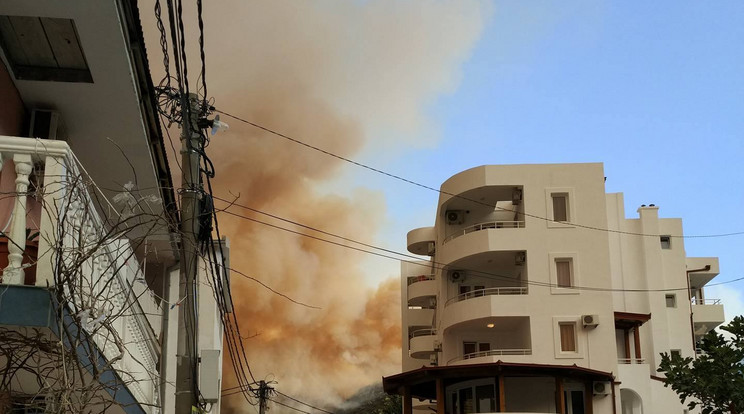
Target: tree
x,y
714,381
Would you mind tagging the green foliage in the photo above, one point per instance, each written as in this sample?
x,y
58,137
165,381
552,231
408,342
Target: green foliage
x,y
373,400
714,381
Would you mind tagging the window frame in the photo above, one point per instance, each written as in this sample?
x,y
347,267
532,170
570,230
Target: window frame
x,y
573,259
571,211
558,321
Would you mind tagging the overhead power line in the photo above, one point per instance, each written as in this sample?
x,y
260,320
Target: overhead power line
x,y
424,186
436,265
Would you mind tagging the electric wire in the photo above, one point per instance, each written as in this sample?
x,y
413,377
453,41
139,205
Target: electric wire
x,y
443,266
302,402
458,196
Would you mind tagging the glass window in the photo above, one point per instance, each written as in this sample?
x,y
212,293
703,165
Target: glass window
x,y
560,206
466,401
468,348
563,272
568,336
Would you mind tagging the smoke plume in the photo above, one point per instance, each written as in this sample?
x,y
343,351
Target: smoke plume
x,y
335,75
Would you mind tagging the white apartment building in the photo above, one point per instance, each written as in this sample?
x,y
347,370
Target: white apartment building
x,y
89,272
540,296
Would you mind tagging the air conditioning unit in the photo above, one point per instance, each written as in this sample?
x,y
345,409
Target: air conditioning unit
x,y
590,321
433,360
601,388
455,216
520,258
46,124
457,276
437,346
517,196
431,248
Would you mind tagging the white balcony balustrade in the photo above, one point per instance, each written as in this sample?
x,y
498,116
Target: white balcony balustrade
x,y
57,239
508,224
515,290
489,353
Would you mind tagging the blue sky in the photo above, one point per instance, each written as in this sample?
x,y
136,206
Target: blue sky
x,y
654,90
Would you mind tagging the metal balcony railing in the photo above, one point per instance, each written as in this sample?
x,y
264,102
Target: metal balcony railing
x,y
516,290
485,226
492,352
422,332
696,301
420,278
629,361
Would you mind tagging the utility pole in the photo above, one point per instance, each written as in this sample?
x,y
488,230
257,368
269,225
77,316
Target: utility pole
x,y
263,395
186,357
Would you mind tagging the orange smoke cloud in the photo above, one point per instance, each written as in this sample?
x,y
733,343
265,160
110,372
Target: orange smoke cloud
x,y
333,75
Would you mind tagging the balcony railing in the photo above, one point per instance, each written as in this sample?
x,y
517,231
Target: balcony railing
x,y
485,226
696,301
629,361
422,332
75,247
491,352
516,290
420,278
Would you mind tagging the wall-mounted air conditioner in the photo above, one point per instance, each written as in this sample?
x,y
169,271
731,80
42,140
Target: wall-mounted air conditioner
x,y
517,196
46,124
520,258
590,321
601,388
457,276
431,248
455,216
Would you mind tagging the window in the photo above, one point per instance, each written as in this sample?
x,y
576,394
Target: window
x,y
469,347
666,242
484,347
568,336
560,206
563,270
675,353
671,300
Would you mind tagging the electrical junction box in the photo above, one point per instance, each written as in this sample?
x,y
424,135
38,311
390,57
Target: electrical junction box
x,y
209,374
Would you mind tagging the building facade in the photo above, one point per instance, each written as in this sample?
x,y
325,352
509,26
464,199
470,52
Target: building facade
x,y
540,296
89,249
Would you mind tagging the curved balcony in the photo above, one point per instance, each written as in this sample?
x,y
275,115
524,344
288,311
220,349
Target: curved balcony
x,y
516,290
486,356
483,238
421,241
419,317
421,289
502,224
422,343
484,304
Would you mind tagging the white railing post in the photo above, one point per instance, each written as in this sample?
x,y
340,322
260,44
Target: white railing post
x,y
13,273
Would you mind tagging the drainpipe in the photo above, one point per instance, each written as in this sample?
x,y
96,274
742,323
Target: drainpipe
x,y
689,300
